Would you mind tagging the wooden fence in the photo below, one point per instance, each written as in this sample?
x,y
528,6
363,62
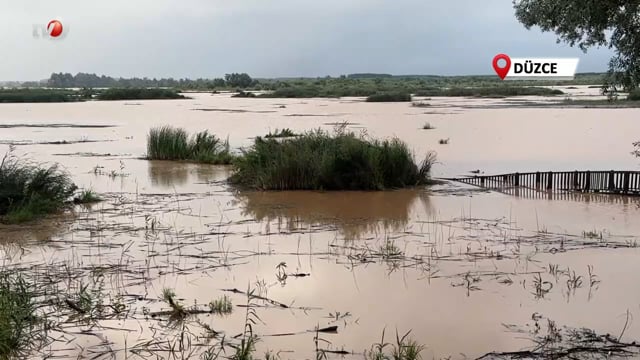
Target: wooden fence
x,y
611,182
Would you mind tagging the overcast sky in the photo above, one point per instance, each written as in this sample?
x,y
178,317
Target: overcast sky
x,y
270,38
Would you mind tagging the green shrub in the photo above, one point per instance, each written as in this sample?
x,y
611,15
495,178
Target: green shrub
x,y
28,190
634,95
139,94
389,97
317,160
169,143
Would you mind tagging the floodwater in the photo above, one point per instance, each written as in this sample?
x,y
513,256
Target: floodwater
x,y
456,265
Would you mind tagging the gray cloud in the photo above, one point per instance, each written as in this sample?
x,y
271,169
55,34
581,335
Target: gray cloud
x,y
208,38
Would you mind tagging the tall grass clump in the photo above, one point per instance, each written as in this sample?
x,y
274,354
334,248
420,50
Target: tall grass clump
x,y
169,143
28,190
317,160
21,329
389,97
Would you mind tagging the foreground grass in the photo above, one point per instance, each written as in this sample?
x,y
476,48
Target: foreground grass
x,y
28,191
139,94
20,328
169,143
317,160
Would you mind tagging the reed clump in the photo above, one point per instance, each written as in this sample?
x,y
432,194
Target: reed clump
x,y
169,143
29,190
318,160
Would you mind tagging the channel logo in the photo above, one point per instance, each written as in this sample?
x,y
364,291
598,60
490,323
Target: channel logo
x,y
53,30
508,68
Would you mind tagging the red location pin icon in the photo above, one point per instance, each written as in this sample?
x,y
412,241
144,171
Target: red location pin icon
x,y
502,71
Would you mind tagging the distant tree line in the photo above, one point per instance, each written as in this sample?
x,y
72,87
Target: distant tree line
x,y
84,80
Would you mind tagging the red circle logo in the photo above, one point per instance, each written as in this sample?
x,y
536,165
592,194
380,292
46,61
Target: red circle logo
x,y
54,27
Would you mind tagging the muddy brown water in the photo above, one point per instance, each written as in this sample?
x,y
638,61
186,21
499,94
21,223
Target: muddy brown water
x,y
468,258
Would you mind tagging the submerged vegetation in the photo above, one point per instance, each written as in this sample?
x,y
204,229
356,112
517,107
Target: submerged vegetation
x,y
389,97
87,197
139,94
317,160
404,348
38,95
427,126
490,91
169,143
28,190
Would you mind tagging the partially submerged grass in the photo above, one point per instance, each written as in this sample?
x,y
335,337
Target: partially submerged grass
x,y
286,132
405,348
87,196
592,234
139,94
443,141
317,160
490,91
21,329
244,94
178,311
38,95
28,190
169,143
420,104
427,126
221,305
389,97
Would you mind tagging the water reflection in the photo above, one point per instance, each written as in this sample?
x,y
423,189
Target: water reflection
x,y
174,173
353,213
529,193
40,230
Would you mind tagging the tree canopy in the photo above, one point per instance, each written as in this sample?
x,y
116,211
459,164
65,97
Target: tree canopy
x,y
587,23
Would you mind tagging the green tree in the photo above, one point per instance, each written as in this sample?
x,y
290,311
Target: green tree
x,y
238,80
588,23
